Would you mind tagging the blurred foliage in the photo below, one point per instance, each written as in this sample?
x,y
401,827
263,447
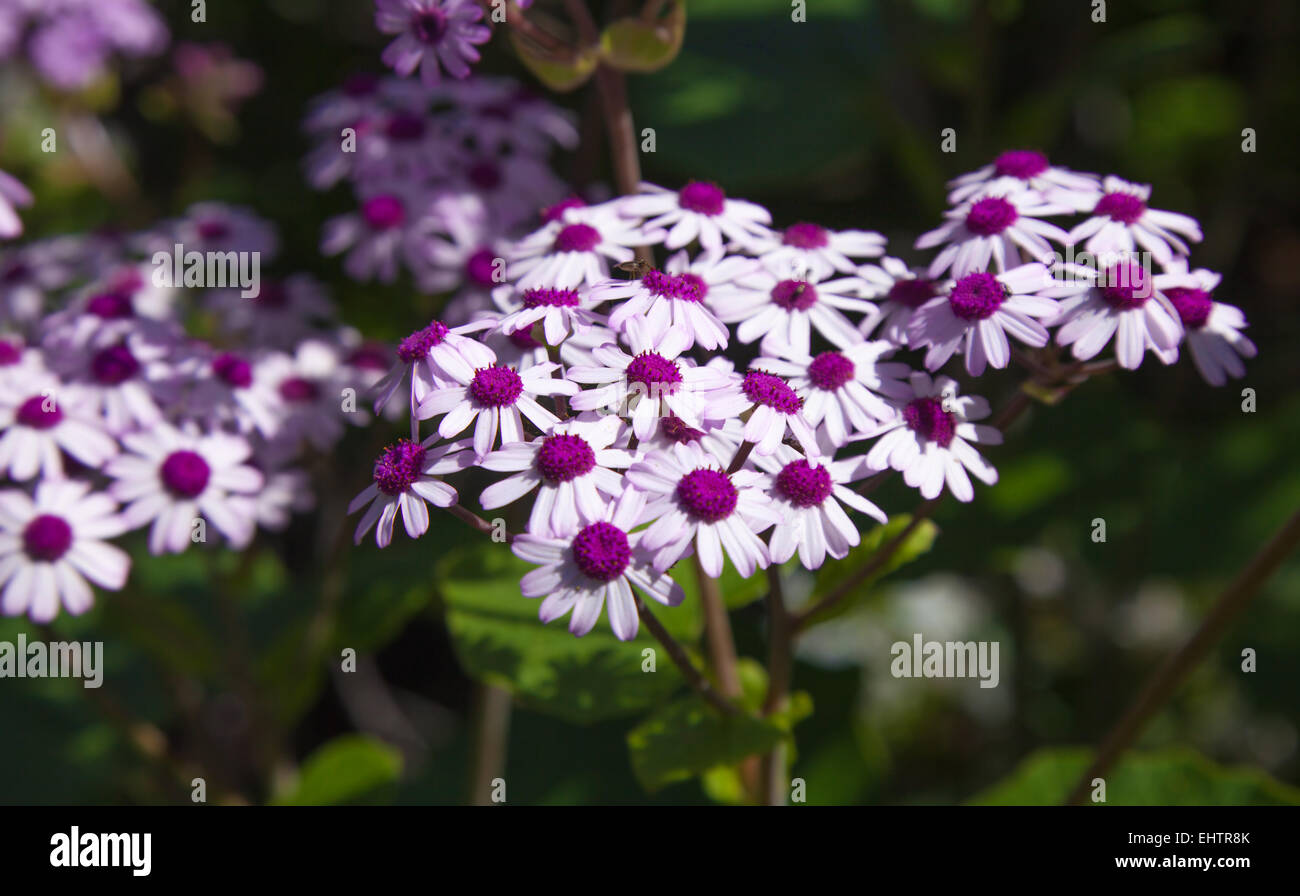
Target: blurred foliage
x,y
837,120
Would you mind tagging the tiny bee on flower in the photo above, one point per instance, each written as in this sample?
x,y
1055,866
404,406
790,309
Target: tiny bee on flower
x,y
636,268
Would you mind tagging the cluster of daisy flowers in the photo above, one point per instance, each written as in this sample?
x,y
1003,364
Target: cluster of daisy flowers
x,y
115,415
605,392
444,176
69,43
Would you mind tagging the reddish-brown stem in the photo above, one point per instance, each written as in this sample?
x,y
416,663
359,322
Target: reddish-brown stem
x,y
677,654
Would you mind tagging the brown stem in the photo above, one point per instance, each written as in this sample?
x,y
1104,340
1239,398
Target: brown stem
x,y
612,86
741,455
717,632
553,46
491,739
581,17
780,670
678,655
474,520
1162,684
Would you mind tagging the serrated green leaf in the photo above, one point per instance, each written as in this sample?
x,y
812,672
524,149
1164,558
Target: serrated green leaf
x,y
634,45
832,574
500,640
1166,778
349,770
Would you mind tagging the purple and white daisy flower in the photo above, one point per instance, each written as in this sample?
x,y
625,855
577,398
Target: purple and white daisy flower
x,y
432,35
13,195
930,442
994,228
52,543
281,314
805,249
1121,222
1213,329
125,384
698,211
979,310
662,302
559,311
652,383
900,290
215,227
1025,169
406,475
226,388
718,438
496,399
773,408
785,312
379,237
576,246
430,358
1119,301
595,567
572,466
697,506
309,386
171,479
842,390
39,422
808,493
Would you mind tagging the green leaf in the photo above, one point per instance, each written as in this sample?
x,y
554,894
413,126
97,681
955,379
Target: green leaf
x,y
690,737
634,45
500,640
1175,777
349,770
558,76
832,574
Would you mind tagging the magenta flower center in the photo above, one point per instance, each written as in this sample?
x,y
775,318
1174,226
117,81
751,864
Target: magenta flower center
x,y
297,389
912,293
383,212
233,370
764,388
523,339
651,370
484,175
213,229
794,295
272,294
39,412
418,344
707,495
185,474
1125,287
47,538
551,298
675,430
803,485
806,236
10,353
113,365
110,305
370,356
556,212
481,267
705,198
1022,163
564,457
927,418
404,126
496,387
1193,305
1123,207
990,216
577,238
977,296
680,287
601,551
830,370
429,25
691,288
398,468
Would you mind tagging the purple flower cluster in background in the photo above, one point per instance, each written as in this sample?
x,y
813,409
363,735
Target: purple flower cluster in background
x,y
69,43
608,403
114,417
